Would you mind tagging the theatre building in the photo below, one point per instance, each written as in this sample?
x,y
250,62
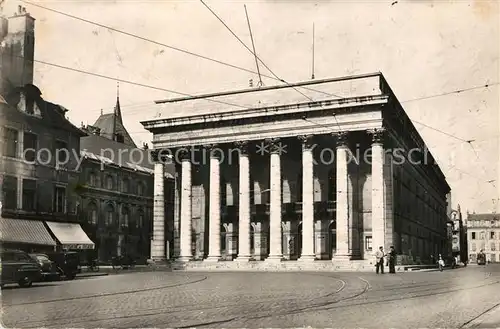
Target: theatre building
x,y
320,170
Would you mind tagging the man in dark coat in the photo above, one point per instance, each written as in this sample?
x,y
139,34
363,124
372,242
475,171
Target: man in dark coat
x,y
392,260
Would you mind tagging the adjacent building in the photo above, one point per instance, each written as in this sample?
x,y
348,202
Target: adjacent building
x,y
39,153
459,236
483,233
325,169
116,192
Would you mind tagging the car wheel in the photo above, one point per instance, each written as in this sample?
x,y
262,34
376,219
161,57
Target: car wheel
x,y
25,282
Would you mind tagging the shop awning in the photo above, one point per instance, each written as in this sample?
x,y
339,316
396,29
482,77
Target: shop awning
x,y
70,235
25,231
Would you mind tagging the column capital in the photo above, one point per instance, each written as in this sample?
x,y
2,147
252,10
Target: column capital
x,y
212,149
274,144
307,141
160,155
242,146
184,154
342,138
377,135
155,155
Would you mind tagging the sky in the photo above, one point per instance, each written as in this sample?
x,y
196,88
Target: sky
x,y
424,49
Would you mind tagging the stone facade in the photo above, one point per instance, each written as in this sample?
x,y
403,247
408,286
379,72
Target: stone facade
x,y
117,187
483,233
304,197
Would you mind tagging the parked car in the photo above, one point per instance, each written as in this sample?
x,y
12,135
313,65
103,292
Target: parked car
x,y
49,268
18,267
67,263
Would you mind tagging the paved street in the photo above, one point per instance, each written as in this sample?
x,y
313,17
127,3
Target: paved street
x,y
177,299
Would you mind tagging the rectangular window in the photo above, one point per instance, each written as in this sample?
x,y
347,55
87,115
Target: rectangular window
x,y
483,235
492,235
493,246
62,152
29,194
9,190
368,243
473,235
59,199
30,146
10,136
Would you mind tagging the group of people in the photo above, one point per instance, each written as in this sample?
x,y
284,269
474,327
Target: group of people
x,y
380,256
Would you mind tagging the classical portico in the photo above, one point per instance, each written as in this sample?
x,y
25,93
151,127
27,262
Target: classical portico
x,y
303,180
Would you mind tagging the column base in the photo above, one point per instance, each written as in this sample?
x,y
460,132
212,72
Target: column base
x,y
213,259
274,258
184,259
156,261
341,257
243,259
307,258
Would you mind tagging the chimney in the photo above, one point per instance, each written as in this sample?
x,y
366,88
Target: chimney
x,y
250,83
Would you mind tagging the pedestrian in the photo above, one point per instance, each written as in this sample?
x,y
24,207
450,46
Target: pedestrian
x,y
441,263
379,259
392,260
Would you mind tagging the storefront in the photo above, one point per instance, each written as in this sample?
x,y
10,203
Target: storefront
x,y
27,235
70,236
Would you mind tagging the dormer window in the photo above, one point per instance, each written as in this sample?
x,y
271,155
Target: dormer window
x,y
28,105
120,138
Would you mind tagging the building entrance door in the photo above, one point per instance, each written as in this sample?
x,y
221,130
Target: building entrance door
x,y
299,241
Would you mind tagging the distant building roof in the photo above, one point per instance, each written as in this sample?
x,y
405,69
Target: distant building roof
x,y
111,126
483,217
110,152
106,122
52,114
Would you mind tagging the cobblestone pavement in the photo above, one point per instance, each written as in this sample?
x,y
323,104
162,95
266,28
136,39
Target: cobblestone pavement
x,y
178,299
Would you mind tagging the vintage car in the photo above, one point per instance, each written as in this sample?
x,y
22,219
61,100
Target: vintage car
x,y
18,267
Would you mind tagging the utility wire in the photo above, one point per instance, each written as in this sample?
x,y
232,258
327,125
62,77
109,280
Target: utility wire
x,y
253,53
129,82
163,44
452,92
442,132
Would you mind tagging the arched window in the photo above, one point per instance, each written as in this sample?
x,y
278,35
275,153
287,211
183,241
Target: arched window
x,y
125,185
109,182
140,219
140,188
125,217
92,214
332,184
110,215
93,179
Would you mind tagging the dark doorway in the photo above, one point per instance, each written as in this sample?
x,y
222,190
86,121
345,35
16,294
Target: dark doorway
x,y
299,240
332,239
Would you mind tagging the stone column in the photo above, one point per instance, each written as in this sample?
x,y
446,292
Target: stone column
x,y
378,206
244,203
275,247
186,210
307,199
158,242
342,205
214,252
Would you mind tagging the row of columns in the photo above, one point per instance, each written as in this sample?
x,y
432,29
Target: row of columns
x,y
343,218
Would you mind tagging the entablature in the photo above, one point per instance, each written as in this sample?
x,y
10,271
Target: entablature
x,y
327,123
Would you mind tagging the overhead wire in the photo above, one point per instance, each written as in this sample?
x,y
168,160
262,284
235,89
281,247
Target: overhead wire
x,y
128,81
187,52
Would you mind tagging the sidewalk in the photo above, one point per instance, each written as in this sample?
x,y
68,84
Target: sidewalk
x,y
108,269
490,319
